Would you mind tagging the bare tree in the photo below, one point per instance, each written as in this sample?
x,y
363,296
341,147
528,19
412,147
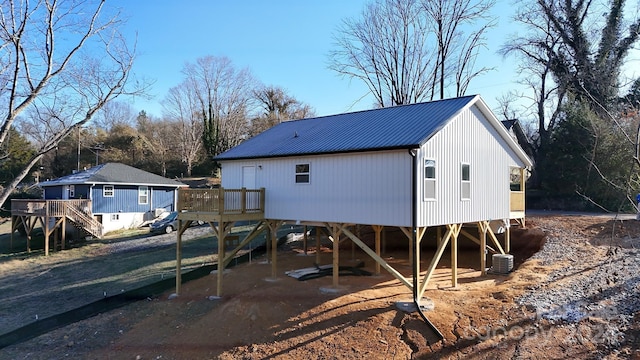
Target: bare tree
x,y
545,96
408,51
572,56
181,106
114,113
44,68
164,145
223,98
388,50
277,107
457,38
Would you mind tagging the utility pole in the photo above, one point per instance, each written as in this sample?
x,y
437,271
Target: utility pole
x,y
96,150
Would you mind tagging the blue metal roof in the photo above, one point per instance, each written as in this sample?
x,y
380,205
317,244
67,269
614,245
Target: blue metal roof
x,y
113,173
399,127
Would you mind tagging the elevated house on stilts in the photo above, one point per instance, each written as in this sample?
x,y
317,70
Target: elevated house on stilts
x,y
448,164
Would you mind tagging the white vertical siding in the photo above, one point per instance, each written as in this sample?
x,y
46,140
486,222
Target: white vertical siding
x,y
467,140
364,188
375,187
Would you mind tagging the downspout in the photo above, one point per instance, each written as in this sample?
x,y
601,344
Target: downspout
x,y
416,247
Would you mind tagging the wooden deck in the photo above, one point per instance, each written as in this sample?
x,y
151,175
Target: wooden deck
x,y
220,205
221,208
52,215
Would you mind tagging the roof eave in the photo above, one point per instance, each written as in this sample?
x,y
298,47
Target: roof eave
x,y
113,183
390,148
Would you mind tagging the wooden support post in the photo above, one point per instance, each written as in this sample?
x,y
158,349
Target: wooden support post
x,y
267,241
304,239
27,227
336,255
46,233
454,260
179,258
274,253
523,182
221,236
378,231
318,231
273,226
243,200
507,238
13,229
64,233
483,249
451,230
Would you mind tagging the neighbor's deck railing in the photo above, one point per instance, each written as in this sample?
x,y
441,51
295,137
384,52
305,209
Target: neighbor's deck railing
x,y
48,207
79,211
517,201
221,201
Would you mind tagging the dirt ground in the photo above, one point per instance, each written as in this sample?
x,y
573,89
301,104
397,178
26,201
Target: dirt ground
x,y
261,317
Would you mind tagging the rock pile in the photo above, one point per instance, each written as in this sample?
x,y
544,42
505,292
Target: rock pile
x,y
593,286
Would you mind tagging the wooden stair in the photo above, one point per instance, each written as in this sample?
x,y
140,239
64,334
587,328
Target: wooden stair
x,y
84,221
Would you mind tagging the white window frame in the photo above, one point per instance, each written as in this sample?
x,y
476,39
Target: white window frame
x,y
465,184
72,191
430,182
108,191
143,193
301,174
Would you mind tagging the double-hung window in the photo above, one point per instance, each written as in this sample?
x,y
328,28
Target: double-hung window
x,y
107,190
465,183
303,173
430,179
143,195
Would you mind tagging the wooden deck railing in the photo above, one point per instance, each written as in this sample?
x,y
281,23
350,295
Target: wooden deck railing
x,y
517,201
221,201
48,207
79,211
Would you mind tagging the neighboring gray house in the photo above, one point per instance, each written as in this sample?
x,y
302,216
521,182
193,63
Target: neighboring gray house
x,y
121,196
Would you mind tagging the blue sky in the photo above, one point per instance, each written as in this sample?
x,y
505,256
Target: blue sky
x,y
283,42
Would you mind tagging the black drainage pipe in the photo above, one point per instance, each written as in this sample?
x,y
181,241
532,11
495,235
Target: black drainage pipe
x,y
416,248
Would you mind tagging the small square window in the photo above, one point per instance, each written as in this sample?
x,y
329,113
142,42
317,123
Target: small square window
x,y
115,217
107,191
302,174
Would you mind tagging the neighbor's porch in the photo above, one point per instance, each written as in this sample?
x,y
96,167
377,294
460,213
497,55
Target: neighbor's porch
x,y
52,215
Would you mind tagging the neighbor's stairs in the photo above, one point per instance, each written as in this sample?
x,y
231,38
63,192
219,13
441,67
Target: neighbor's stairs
x,y
84,221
